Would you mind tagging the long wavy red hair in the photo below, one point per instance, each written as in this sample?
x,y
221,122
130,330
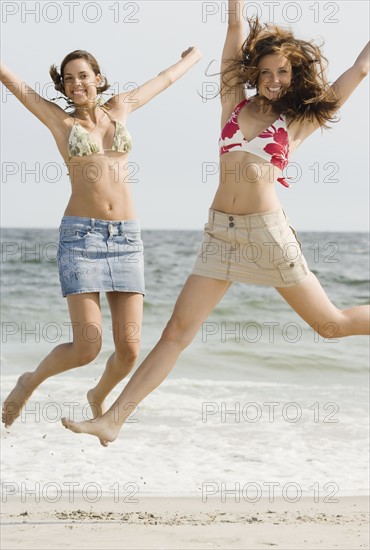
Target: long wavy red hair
x,y
309,95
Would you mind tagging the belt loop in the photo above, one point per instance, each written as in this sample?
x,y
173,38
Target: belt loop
x,y
122,227
92,221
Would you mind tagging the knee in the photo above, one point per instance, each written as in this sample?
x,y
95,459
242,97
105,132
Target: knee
x,y
329,330
177,332
127,354
85,354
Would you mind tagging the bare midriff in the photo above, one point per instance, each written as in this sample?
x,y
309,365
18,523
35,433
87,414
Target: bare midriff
x,y
247,185
101,186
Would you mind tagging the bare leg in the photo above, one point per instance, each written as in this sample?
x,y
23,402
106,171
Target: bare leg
x,y
310,301
127,314
197,299
84,310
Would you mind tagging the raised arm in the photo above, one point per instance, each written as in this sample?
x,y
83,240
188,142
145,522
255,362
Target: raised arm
x,y
43,109
130,101
342,87
350,79
233,43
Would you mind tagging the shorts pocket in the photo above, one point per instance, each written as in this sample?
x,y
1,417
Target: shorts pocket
x,y
69,235
289,235
219,233
292,272
134,238
296,236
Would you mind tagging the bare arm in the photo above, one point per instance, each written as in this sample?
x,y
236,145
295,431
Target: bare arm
x,y
343,88
43,109
130,101
233,43
350,79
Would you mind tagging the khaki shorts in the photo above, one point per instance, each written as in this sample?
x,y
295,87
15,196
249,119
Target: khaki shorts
x,y
261,249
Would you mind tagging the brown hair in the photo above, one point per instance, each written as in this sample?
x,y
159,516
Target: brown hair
x,y
309,95
58,78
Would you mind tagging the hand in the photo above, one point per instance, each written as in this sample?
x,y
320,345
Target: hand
x,y
193,50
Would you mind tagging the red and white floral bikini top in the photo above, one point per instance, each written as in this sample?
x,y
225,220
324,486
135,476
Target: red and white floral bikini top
x,y
271,145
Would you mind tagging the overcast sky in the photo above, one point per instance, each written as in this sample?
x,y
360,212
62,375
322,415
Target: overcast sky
x,y
175,136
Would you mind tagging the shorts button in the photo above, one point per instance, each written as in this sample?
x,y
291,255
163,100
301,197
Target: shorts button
x,y
292,264
231,218
231,224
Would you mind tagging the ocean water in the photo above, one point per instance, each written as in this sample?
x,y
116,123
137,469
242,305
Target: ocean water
x,y
258,403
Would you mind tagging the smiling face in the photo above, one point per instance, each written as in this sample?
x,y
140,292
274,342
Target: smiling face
x,y
80,82
275,75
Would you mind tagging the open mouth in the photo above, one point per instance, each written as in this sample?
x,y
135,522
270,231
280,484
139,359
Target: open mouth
x,y
78,93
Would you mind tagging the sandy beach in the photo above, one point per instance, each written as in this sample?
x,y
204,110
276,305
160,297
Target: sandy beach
x,y
185,523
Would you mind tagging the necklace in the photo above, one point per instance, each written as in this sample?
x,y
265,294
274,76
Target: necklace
x,y
98,103
85,119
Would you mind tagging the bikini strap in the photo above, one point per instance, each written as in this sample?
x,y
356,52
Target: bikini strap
x,y
105,110
240,106
74,119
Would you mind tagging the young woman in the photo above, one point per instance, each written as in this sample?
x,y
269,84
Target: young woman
x,y
100,248
248,237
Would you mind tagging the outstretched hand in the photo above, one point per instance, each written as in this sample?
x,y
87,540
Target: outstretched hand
x,y
193,50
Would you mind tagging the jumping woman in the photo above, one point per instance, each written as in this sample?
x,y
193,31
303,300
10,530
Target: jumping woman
x,y
100,247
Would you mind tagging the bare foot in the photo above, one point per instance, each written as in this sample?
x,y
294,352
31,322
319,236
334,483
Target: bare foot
x,y
17,398
97,408
103,427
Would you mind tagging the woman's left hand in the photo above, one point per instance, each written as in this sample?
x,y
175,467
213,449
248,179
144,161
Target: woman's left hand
x,y
193,50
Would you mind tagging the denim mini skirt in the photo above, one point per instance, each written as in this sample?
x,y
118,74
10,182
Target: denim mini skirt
x,y
100,256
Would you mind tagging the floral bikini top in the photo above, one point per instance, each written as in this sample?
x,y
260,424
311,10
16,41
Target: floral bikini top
x,y
81,143
271,145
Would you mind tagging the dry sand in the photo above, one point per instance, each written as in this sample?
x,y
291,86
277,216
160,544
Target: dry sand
x,y
179,523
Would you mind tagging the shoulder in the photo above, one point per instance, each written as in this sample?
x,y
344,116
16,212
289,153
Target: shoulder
x,y
299,130
117,107
58,118
232,108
